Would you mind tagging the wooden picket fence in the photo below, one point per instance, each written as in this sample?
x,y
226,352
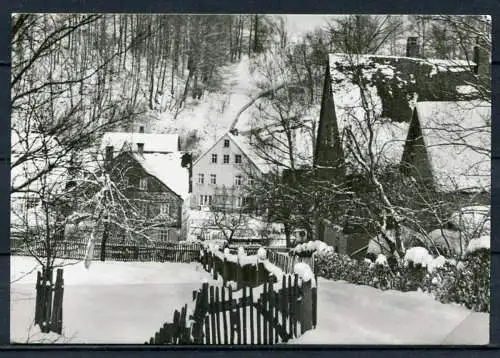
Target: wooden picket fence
x,y
49,301
260,315
158,252
287,263
243,276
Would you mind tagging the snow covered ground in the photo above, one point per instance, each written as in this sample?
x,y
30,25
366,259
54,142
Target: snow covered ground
x,y
352,314
112,302
127,302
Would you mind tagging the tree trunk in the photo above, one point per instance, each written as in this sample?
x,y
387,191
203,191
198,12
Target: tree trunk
x,y
104,241
288,235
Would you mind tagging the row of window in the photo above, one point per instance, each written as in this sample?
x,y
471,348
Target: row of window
x,y
226,157
206,200
164,208
238,179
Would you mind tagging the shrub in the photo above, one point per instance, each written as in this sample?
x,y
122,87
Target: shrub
x,y
467,282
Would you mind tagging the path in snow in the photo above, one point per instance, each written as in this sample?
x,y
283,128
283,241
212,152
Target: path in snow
x,y
352,314
112,302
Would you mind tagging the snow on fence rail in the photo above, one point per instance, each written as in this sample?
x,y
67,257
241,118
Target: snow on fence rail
x,y
287,263
243,270
158,252
267,314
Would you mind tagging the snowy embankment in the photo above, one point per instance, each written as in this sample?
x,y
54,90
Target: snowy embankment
x,y
353,314
112,302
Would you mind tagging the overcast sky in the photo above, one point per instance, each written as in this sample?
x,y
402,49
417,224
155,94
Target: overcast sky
x,y
300,24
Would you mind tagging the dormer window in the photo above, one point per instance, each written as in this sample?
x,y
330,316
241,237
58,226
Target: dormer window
x,y
226,143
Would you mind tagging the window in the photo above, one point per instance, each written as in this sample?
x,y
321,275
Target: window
x,y
239,201
143,183
213,179
164,208
237,158
164,235
31,202
226,143
238,180
201,178
109,152
250,181
214,158
205,200
141,129
226,158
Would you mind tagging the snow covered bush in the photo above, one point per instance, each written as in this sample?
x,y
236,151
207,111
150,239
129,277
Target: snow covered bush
x,y
480,244
308,248
466,282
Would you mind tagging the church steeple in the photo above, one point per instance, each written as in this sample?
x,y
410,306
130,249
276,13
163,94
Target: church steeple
x,y
329,155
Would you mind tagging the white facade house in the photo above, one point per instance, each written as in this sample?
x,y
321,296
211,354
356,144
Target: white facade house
x,y
220,175
219,178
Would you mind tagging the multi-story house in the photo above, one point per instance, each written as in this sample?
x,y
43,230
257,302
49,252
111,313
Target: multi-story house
x,y
148,168
218,180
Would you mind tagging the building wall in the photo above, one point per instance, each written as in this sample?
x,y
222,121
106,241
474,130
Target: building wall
x,y
225,173
150,200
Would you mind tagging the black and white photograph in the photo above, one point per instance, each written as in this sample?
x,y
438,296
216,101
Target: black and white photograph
x,y
250,179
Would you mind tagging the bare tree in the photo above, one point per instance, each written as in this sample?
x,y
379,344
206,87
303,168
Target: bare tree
x,y
363,34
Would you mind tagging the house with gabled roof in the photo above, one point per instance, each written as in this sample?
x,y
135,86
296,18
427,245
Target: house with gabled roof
x,y
394,88
219,177
152,176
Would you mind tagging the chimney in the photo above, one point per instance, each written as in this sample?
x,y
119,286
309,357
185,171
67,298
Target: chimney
x,y
412,49
481,57
140,148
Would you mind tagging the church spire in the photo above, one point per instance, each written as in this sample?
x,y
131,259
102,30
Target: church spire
x,y
328,151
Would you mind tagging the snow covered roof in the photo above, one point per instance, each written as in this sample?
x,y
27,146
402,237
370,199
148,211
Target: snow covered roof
x,y
389,137
457,136
167,169
440,65
156,143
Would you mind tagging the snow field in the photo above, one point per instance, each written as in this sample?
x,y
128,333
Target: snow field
x,y
353,314
112,302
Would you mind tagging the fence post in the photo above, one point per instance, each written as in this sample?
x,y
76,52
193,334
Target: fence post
x,y
307,307
57,311
38,300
